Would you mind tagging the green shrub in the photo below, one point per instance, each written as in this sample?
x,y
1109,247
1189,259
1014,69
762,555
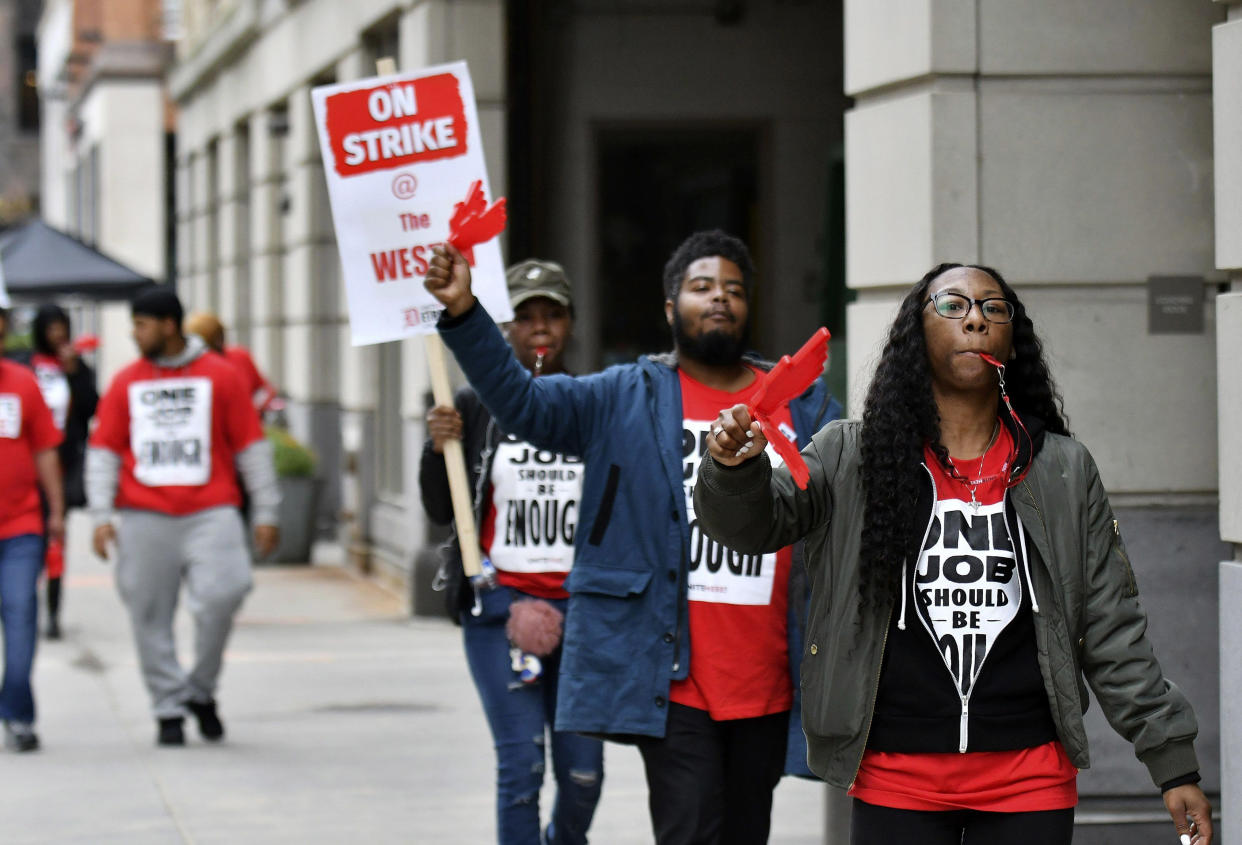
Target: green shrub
x,y
293,459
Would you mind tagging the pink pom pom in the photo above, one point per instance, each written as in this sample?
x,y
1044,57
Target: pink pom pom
x,y
534,626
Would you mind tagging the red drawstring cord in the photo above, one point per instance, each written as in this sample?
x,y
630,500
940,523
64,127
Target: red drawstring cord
x,y
1000,372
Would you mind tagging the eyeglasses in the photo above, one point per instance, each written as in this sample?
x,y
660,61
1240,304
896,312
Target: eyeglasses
x,y
955,306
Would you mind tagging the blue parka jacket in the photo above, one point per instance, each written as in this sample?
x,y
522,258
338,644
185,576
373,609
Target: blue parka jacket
x,y
626,632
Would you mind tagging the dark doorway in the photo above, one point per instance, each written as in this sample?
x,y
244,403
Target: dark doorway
x,y
656,186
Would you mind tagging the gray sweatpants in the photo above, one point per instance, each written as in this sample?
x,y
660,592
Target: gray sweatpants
x,y
155,554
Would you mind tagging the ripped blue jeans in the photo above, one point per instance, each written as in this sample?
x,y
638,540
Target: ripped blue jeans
x,y
521,718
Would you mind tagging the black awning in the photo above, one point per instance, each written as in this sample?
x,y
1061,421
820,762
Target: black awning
x,y
39,261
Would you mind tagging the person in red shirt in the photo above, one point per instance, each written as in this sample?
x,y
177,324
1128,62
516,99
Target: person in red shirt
x,y
28,462
174,431
208,326
673,643
68,386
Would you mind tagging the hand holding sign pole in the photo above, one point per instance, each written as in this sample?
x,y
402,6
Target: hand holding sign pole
x,y
787,380
472,223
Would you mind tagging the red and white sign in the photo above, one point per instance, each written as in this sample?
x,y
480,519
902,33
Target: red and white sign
x,y
399,152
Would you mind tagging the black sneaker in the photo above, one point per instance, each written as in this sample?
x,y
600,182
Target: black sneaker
x,y
209,724
20,736
53,629
171,732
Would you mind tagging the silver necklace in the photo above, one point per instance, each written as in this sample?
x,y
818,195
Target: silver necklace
x,y
970,485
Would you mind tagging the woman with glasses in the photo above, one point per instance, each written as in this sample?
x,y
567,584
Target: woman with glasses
x,y
968,576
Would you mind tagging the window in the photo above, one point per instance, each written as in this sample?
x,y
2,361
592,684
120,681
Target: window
x,y
27,84
86,196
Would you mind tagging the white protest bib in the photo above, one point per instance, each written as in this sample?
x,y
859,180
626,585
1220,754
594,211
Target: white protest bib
x,y
536,496
170,431
718,574
968,585
54,385
10,416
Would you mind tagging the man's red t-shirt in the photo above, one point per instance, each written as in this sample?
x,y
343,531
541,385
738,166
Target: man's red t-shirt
x,y
1021,780
260,390
177,431
739,648
26,428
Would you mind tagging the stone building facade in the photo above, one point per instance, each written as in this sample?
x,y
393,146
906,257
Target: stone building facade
x,y
1080,148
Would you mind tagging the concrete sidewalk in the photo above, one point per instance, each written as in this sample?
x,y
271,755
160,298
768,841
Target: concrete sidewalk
x,y
347,722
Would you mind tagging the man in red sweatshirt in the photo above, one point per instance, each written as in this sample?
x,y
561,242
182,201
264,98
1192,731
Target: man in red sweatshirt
x,y
175,430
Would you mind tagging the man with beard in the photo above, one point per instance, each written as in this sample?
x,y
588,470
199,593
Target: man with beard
x,y
672,642
175,430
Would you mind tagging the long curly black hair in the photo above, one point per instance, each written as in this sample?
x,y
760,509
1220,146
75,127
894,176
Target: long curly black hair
x,y
900,416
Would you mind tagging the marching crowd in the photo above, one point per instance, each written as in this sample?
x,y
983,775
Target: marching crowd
x,y
918,623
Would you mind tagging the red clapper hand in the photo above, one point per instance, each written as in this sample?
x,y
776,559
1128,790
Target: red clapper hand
x,y
473,222
787,380
86,343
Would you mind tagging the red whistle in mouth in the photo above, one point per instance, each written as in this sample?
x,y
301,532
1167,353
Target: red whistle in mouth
x,y
787,380
474,222
997,364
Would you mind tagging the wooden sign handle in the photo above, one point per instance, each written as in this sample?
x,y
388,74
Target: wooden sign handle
x,y
455,463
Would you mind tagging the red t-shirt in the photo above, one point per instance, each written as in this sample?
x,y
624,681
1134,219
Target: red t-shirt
x,y
531,517
177,431
1022,780
26,428
260,391
739,650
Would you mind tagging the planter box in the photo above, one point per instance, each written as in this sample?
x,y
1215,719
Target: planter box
x,y
299,500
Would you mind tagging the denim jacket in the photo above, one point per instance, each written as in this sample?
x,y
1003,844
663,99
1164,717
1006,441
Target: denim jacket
x,y
627,634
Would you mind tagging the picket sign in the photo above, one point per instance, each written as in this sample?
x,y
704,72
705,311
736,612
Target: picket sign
x,y
454,457
401,153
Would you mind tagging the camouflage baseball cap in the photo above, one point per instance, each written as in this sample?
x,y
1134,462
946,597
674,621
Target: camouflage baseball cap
x,y
532,278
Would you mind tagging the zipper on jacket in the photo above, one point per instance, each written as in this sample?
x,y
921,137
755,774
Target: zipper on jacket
x,y
875,695
682,542
963,731
677,630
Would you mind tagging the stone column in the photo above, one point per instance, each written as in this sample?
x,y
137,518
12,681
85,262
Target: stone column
x,y
200,295
267,194
1227,114
185,268
358,381
230,185
311,295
